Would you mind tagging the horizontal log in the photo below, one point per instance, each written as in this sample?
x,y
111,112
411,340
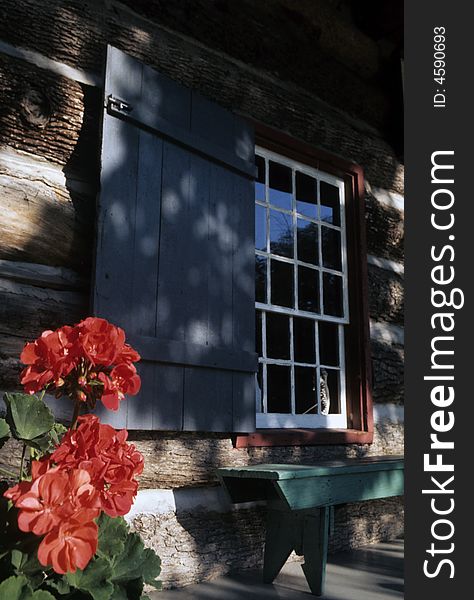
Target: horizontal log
x,y
385,230
386,295
46,221
26,310
50,116
55,278
10,366
388,372
77,34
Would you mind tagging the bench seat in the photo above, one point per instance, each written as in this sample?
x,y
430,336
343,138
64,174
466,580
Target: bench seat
x,y
300,499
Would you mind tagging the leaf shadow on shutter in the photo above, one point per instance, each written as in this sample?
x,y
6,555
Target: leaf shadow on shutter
x,y
174,257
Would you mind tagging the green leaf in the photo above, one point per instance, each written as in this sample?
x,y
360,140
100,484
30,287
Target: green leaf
x,y
4,432
112,535
39,595
61,586
28,416
136,561
15,588
95,579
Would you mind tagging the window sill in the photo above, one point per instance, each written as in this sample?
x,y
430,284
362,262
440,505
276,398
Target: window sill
x,y
303,437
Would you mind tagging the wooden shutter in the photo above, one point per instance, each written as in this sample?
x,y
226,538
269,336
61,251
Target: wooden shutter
x,y
175,250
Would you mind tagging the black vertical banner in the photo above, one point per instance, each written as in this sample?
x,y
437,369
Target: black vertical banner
x,y
439,209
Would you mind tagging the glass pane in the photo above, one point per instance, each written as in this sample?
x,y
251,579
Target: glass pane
x,y
281,234
278,336
260,228
306,401
259,388
282,285
330,392
308,242
328,343
260,182
330,209
331,247
303,340
306,195
258,333
308,289
260,279
278,389
280,185
332,290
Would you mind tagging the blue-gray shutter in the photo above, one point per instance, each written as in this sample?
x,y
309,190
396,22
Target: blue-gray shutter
x,y
175,250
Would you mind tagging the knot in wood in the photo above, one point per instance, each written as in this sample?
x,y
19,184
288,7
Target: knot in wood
x,y
35,108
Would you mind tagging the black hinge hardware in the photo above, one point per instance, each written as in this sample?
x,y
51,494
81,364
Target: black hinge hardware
x,y
116,104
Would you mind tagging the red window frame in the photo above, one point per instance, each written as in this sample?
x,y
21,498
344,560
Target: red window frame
x,y
357,334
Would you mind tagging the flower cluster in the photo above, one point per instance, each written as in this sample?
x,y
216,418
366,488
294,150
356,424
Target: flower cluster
x,y
93,469
86,362
61,505
111,462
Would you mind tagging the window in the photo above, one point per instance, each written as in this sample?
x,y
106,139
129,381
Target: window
x,y
301,294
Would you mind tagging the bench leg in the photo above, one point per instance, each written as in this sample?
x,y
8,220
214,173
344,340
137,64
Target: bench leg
x,y
279,542
315,549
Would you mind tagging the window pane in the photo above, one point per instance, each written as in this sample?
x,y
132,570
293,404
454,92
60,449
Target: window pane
x,y
278,389
330,392
278,336
331,246
332,289
260,279
308,289
280,185
330,209
306,195
305,391
328,343
308,242
281,234
303,340
260,182
282,286
258,333
260,228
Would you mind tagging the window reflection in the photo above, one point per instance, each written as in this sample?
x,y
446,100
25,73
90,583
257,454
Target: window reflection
x,y
281,234
280,192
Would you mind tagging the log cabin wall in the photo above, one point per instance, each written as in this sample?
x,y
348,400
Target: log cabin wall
x,y
304,67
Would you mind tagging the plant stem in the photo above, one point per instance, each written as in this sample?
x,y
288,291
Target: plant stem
x,y
7,472
22,462
75,414
42,394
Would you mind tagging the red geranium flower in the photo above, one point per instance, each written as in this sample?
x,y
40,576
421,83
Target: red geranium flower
x,y
100,341
50,358
123,379
55,497
69,547
111,462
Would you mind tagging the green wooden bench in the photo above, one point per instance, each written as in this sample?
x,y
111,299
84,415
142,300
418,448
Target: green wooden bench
x,y
300,500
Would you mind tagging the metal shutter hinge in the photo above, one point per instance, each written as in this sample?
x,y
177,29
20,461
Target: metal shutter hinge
x,y
116,104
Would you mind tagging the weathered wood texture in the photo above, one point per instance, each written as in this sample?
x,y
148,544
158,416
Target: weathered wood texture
x,y
388,372
50,117
386,295
385,227
26,311
78,33
42,221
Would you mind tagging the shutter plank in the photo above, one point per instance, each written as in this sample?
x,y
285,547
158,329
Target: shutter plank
x,y
116,222
207,400
168,401
172,287
147,235
221,241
